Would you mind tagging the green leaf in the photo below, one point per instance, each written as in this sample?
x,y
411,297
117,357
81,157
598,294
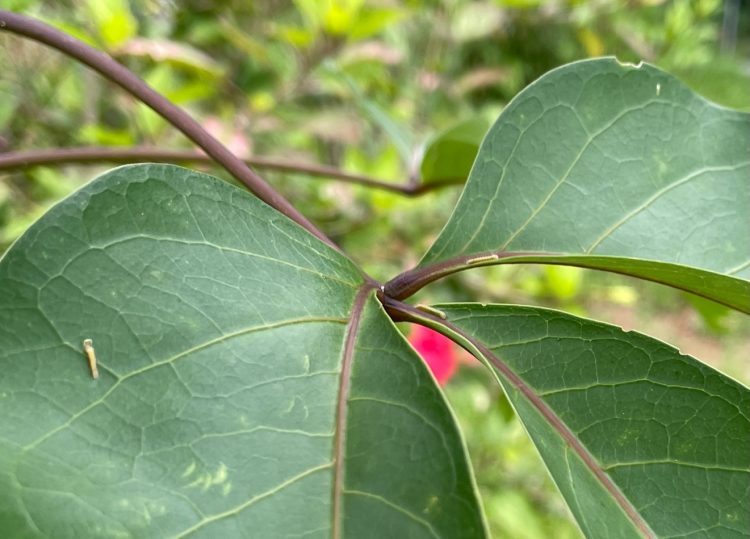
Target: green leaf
x,y
10,101
398,134
113,21
173,53
601,164
250,383
714,316
371,20
640,439
450,154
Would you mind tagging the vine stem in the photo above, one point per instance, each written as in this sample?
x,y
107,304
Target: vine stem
x,y
120,75
58,156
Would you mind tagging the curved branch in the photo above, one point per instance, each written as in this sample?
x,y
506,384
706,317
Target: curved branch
x,y
57,156
117,73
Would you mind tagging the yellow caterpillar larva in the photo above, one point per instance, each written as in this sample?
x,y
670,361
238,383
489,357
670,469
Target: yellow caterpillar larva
x,y
480,259
88,347
431,310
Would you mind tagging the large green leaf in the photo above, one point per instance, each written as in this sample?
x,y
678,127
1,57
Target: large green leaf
x,y
250,383
640,439
610,161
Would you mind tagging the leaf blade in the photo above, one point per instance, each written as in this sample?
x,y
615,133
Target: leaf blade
x,y
597,158
219,328
603,405
438,496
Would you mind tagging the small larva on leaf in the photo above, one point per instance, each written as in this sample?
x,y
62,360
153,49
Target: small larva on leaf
x,y
88,347
480,259
431,310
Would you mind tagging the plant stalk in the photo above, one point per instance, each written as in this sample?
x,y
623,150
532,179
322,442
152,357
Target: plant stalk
x,y
120,75
59,156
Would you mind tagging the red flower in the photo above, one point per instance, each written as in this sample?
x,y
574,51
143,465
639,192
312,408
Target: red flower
x,y
437,351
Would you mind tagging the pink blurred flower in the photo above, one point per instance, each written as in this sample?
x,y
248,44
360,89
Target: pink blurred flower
x,y
232,138
438,352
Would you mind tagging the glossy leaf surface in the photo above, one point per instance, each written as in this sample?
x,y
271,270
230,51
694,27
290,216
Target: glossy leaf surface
x,y
250,383
640,439
600,159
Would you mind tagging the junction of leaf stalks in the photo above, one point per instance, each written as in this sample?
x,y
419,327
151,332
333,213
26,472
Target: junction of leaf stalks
x,y
399,311
387,302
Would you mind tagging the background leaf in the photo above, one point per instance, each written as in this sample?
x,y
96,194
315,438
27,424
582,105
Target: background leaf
x,y
625,423
450,154
242,385
603,159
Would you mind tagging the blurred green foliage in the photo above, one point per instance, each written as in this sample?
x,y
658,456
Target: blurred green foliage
x,y
395,90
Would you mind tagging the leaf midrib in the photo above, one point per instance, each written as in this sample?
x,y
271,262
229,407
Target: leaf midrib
x,y
481,351
409,282
341,407
566,434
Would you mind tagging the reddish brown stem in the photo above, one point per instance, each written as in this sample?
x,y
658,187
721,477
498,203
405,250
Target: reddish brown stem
x,y
59,156
407,283
115,72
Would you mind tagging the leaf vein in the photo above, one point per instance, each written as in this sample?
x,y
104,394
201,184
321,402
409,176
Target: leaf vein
x,y
396,507
238,509
175,357
608,232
